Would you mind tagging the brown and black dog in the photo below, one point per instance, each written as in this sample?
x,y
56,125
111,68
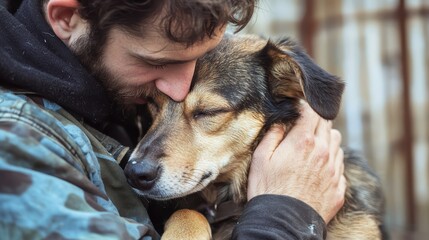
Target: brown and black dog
x,y
198,151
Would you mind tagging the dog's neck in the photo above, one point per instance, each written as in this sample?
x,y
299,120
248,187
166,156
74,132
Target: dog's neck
x,y
221,202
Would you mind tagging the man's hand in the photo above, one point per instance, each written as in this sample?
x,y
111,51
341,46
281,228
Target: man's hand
x,y
307,164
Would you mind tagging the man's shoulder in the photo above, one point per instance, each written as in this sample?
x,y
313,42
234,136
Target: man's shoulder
x,y
53,169
31,119
29,108
42,132
20,99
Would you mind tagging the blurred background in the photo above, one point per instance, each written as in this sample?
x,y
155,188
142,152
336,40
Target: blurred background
x,y
379,47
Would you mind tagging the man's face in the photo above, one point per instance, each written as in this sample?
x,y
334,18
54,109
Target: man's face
x,y
132,68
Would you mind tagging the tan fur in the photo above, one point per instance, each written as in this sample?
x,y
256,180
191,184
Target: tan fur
x,y
187,224
354,226
223,137
286,69
205,143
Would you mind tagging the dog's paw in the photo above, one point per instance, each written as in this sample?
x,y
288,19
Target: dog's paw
x,y
187,224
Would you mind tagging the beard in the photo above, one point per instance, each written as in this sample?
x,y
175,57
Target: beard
x,y
89,50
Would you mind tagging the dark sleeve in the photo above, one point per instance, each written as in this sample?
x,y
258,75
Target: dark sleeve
x,y
279,217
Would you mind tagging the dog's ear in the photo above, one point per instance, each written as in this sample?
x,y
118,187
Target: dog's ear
x,y
292,74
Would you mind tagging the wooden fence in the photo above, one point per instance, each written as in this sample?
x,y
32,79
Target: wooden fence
x,y
380,48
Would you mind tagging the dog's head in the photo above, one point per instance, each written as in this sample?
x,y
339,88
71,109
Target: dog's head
x,y
240,88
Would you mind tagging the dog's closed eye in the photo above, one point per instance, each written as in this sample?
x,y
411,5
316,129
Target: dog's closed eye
x,y
201,113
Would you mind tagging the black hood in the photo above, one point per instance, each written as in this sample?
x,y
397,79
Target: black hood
x,y
34,59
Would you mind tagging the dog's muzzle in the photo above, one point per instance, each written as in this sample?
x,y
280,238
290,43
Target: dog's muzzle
x,y
142,174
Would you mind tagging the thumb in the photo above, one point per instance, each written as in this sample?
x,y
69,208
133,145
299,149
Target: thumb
x,y
268,144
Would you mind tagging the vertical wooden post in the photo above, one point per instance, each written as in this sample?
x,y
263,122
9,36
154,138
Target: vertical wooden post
x,y
407,118
308,26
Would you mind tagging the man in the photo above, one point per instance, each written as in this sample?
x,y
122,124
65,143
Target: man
x,y
70,68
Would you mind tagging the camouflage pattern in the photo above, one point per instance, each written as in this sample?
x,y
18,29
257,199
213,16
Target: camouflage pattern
x,y
59,179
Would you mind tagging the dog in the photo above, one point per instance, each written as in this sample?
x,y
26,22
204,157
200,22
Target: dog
x,y
198,151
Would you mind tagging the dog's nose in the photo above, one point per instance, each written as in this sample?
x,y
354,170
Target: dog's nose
x,y
142,174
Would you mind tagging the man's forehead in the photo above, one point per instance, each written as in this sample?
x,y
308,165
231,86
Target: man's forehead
x,y
154,45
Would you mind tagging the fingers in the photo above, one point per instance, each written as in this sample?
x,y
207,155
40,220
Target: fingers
x,y
308,121
338,184
269,143
336,153
339,164
323,130
302,133
262,160
337,200
323,137
342,187
340,181
335,140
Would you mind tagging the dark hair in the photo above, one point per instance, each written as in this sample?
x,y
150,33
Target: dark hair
x,y
185,21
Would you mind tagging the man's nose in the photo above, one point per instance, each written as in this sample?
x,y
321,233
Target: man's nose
x,y
177,82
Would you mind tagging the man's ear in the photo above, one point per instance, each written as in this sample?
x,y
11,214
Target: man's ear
x,y
292,74
65,21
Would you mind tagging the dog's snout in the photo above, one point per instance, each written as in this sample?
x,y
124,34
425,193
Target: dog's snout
x,y
142,174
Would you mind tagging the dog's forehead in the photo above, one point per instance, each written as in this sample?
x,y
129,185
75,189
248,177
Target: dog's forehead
x,y
205,98
235,48
234,57
233,70
247,43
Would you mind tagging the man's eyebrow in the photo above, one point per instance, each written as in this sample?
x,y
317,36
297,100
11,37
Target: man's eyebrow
x,y
158,61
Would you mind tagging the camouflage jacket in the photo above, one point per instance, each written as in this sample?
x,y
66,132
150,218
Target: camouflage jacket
x,y
59,179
